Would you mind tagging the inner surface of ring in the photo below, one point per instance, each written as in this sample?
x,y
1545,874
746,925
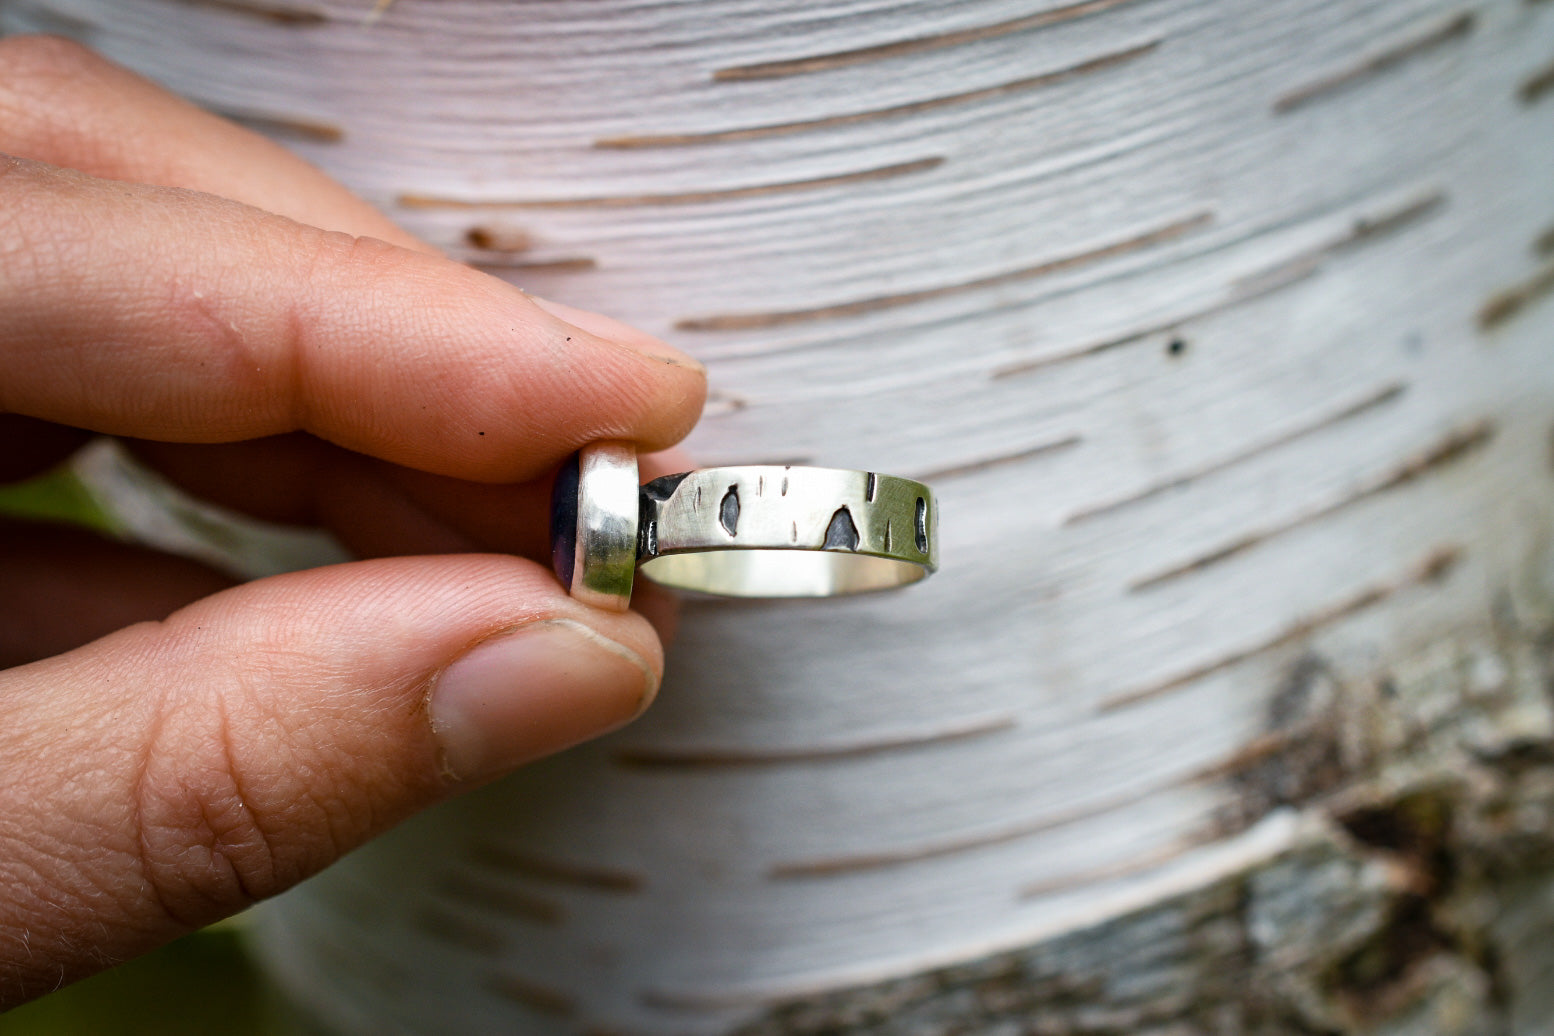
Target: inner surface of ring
x,y
779,573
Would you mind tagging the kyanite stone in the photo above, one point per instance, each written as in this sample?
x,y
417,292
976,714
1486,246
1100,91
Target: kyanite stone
x,y
563,521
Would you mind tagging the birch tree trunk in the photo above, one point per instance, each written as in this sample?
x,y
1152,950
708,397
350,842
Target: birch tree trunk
x,y
1222,330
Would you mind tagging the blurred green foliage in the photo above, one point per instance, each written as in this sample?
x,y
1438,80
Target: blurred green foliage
x,y
200,985
56,495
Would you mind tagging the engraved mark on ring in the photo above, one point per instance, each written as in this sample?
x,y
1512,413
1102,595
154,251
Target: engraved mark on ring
x,y
922,526
728,511
842,534
661,489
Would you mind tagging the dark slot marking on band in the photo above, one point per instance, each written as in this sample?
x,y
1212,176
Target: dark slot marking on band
x,y
558,872
841,533
693,757
822,868
1433,568
920,526
663,487
1364,405
869,487
577,264
760,485
1544,243
467,933
526,993
900,48
1537,85
887,535
297,16
698,498
795,532
921,165
728,511
650,540
1112,872
784,486
1504,305
1068,442
296,127
1454,447
495,896
745,321
893,111
1382,61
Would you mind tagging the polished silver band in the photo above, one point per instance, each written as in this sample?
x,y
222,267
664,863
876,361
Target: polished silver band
x,y
758,531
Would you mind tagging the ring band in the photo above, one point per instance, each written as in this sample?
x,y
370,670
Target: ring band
x,y
758,531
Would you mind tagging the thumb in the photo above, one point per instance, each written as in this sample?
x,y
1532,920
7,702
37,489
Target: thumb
x,y
172,773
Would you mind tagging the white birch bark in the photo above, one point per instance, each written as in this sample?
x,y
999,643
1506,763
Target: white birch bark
x,y
1222,329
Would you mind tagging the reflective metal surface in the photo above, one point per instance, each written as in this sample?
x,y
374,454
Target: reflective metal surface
x,y
605,547
786,531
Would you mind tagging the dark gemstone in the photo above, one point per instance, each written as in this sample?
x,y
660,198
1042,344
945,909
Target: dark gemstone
x,y
563,521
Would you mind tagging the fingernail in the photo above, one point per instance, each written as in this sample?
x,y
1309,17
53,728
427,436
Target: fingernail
x,y
622,334
537,690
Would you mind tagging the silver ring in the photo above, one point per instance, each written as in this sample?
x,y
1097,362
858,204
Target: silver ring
x,y
759,531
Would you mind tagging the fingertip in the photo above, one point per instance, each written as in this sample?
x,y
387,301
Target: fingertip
x,y
621,333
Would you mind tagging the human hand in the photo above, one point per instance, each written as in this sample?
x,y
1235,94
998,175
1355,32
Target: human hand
x,y
271,343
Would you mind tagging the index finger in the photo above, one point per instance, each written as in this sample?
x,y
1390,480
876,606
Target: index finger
x,y
179,316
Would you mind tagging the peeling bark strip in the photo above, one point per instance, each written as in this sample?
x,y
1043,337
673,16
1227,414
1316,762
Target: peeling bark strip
x,y
896,856
669,757
1348,411
1120,869
1536,85
1436,566
1544,245
579,264
529,994
465,932
921,165
1068,442
1274,277
745,321
1454,447
1457,27
276,14
1061,75
878,52
290,126
1510,302
559,872
497,897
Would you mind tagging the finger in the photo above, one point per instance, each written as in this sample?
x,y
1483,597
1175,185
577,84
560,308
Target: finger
x,y
62,104
61,587
210,321
174,772
375,509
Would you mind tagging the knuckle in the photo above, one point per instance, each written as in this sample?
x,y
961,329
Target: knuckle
x,y
206,849
39,56
38,75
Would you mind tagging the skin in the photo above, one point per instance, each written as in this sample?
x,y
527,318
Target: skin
x,y
177,747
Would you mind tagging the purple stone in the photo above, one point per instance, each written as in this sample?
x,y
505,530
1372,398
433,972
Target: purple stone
x,y
563,522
